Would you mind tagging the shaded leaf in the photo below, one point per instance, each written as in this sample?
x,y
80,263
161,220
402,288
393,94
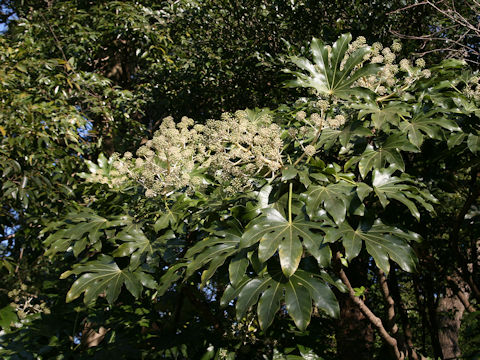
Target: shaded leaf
x,y
388,152
104,277
402,189
8,317
382,242
298,292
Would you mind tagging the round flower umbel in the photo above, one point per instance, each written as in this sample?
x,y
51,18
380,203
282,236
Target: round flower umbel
x,y
240,147
165,162
232,151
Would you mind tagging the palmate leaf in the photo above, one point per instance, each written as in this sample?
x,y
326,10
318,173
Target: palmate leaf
x,y
252,209
171,217
270,290
275,233
428,123
211,252
134,244
388,152
335,198
214,251
104,277
381,241
326,74
328,137
390,113
104,167
402,189
81,229
352,132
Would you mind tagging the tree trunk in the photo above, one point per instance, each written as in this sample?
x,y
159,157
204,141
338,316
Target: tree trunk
x,y
449,314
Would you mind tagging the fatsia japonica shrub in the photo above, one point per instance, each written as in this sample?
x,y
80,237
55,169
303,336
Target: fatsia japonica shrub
x,y
277,202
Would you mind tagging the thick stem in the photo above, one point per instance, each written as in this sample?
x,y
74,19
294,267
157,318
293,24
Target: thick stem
x,y
390,302
421,309
290,188
460,294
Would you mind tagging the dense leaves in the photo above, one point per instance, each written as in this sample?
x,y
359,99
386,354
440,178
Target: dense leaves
x,y
361,194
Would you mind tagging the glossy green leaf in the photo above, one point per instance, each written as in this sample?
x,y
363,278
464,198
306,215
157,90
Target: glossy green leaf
x,y
298,303
298,292
8,317
134,244
78,228
269,304
289,172
321,294
327,75
275,233
391,113
426,123
473,143
334,198
382,243
103,277
402,189
214,251
237,268
386,153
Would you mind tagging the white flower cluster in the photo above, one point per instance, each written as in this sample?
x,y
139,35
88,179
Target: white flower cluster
x,y
238,148
166,162
232,150
26,303
318,121
388,77
472,88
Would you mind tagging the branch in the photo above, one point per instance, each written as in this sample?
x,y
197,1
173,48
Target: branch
x,y
407,332
462,25
8,237
389,300
19,260
434,38
455,16
407,7
460,294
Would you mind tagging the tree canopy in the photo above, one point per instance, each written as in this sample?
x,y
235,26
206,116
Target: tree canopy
x,y
232,180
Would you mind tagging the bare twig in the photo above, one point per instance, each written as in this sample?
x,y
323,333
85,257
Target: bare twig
x,y
459,40
19,260
407,7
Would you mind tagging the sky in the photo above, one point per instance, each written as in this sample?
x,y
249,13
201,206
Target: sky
x,y
3,26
